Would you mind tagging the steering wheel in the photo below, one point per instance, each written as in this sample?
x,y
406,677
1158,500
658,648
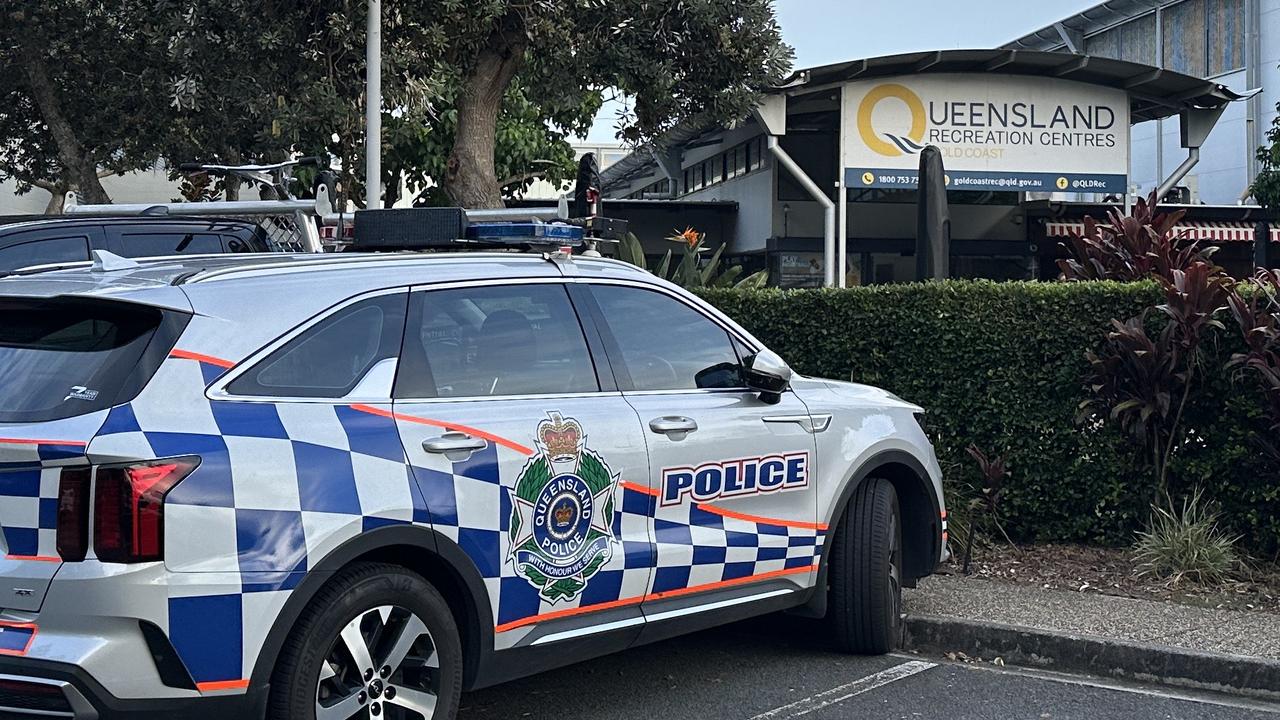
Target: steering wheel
x,y
655,371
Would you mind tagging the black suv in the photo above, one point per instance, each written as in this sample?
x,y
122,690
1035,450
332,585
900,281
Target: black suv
x,y
25,242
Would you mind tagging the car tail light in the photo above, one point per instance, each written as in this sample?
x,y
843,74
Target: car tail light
x,y
128,517
73,514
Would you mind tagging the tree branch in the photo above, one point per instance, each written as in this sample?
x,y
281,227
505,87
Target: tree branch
x,y
535,175
28,178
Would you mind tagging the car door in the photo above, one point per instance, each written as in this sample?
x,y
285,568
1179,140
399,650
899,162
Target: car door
x,y
732,475
45,245
523,448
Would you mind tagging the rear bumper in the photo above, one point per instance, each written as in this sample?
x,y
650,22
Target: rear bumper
x,y
27,689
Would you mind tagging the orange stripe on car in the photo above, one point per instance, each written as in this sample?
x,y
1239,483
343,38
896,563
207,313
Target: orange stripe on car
x,y
571,612
29,441
474,432
20,626
188,355
222,685
760,519
34,558
639,488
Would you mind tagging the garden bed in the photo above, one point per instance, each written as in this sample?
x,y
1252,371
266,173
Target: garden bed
x,y
1110,571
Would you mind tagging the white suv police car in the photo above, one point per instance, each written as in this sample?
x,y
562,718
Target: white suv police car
x,y
354,486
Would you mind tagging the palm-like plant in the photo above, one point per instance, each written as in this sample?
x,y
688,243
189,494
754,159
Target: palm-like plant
x,y
690,271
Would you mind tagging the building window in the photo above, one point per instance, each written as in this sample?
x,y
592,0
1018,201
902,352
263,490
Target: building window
x,y
1226,36
1134,41
740,160
1184,37
755,154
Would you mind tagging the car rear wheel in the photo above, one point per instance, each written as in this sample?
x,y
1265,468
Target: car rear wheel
x,y
377,642
865,602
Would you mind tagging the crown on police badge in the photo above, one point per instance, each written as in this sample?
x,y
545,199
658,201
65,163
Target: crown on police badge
x,y
564,513
559,436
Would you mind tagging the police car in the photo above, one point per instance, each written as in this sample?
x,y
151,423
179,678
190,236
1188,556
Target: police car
x,y
355,486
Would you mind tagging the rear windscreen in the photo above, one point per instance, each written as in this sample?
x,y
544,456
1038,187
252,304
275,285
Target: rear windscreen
x,y
65,357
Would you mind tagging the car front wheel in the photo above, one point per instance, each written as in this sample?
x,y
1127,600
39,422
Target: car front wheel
x,y
865,601
377,642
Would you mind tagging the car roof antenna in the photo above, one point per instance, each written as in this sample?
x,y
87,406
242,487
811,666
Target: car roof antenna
x,y
104,261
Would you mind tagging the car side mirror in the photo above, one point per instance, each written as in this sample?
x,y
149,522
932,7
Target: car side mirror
x,y
767,374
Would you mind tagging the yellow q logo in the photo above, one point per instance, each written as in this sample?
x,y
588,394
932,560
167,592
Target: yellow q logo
x,y
896,144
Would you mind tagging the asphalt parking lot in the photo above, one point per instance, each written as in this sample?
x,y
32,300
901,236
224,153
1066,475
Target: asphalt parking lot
x,y
777,667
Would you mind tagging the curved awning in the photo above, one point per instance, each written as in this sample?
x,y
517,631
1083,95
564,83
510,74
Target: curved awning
x,y
1204,230
1154,92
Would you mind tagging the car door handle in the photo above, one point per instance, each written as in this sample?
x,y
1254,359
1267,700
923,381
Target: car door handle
x,y
675,427
455,446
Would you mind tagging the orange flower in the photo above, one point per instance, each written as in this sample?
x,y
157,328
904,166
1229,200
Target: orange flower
x,y
690,237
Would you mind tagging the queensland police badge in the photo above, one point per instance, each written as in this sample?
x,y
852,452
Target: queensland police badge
x,y
562,512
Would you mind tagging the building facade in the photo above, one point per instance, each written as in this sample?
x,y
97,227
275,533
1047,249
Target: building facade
x,y
1232,42
1170,59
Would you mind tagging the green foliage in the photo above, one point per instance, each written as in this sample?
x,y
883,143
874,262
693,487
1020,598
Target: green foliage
x,y
1187,544
1002,365
479,96
1266,185
79,98
692,271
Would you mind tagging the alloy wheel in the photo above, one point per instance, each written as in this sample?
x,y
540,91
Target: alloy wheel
x,y
383,664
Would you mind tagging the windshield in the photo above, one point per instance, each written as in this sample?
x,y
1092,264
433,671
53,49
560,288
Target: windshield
x,y
64,357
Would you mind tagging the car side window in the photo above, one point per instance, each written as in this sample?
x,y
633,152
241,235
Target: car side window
x,y
158,244
666,344
492,341
330,358
42,252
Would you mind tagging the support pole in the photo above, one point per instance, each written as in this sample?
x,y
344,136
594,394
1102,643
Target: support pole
x,y
829,209
1180,172
842,233
373,107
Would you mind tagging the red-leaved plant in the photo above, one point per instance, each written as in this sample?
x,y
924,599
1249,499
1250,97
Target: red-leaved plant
x,y
987,506
1138,246
1258,315
1143,380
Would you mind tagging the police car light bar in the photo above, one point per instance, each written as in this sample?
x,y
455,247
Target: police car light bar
x,y
457,228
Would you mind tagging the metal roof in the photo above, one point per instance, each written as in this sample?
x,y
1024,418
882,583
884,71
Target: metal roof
x,y
1155,92
1095,19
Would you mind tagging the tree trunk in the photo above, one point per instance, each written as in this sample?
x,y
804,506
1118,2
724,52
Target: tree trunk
x,y
78,165
57,200
471,178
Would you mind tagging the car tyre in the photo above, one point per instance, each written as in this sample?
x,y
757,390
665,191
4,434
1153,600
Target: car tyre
x,y
338,660
865,601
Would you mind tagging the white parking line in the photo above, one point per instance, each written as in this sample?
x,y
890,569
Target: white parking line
x,y
1206,697
844,692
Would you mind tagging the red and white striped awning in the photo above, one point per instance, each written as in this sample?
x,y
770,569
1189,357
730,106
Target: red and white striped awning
x,y
1200,230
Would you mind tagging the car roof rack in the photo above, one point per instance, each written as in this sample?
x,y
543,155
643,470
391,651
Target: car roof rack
x,y
509,228
324,228
445,228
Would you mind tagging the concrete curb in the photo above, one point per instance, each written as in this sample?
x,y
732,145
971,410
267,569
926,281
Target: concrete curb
x,y
1066,652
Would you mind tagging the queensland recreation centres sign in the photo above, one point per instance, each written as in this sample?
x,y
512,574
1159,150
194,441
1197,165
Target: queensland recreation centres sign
x,y
996,132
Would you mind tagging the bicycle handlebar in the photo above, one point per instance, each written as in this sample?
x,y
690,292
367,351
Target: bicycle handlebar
x,y
314,161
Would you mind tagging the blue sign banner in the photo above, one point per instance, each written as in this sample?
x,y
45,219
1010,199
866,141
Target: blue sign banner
x,y
987,181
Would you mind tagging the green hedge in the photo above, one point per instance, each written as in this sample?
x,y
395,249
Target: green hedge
x,y
1000,364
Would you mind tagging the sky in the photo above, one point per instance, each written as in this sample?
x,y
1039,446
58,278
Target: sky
x,y
829,31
